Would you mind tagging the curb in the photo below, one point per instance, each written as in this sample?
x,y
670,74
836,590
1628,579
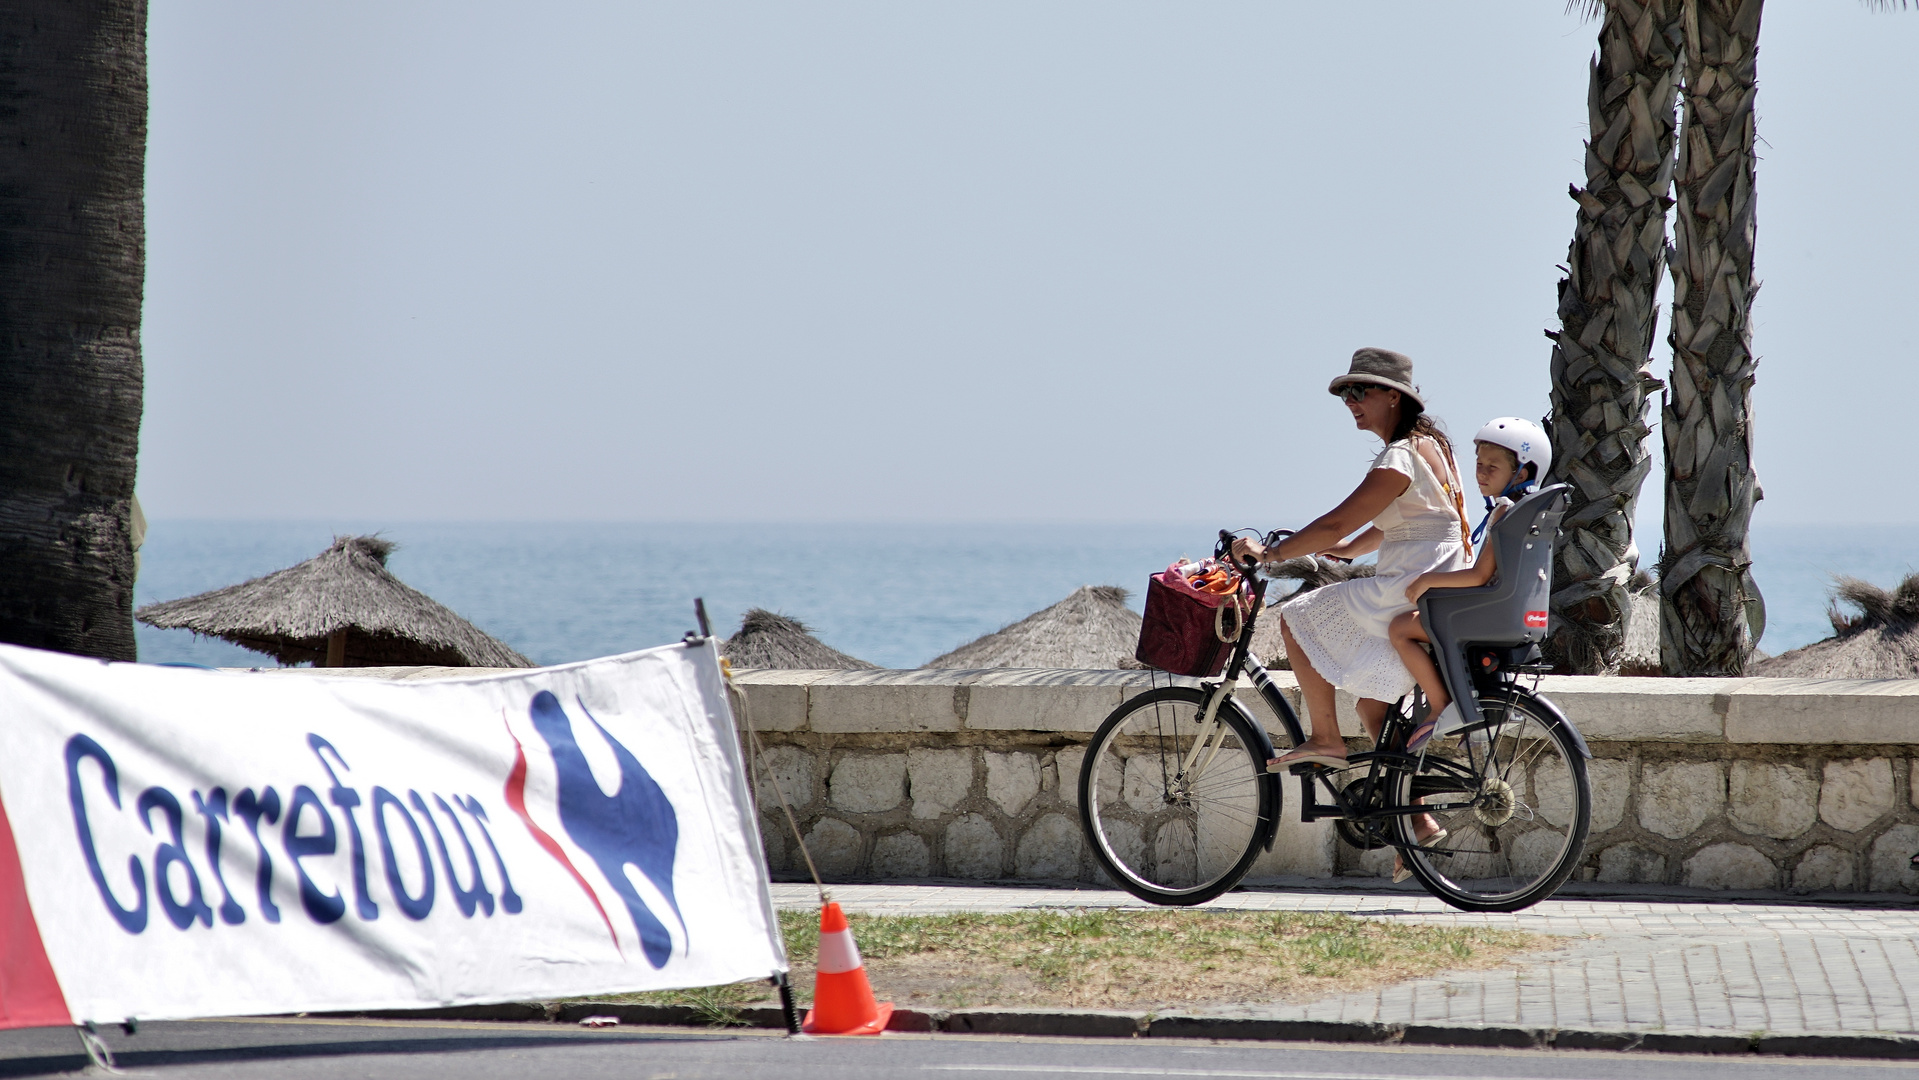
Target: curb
x,y
1091,1023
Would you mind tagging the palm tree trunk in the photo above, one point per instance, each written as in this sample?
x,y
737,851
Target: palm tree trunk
x,y
1600,382
73,120
1710,610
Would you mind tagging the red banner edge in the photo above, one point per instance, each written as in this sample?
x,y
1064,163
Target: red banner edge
x,y
30,994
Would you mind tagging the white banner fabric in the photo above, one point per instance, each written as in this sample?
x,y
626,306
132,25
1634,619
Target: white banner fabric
x,y
201,843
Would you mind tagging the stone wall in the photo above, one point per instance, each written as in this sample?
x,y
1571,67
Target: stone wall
x,y
1803,785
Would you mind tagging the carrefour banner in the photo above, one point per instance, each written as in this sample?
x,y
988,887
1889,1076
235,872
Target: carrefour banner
x,y
180,843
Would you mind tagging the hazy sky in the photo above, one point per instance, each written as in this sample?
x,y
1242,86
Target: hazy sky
x,y
938,261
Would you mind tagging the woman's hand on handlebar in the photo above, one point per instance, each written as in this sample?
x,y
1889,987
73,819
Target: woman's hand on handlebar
x,y
1252,554
1248,553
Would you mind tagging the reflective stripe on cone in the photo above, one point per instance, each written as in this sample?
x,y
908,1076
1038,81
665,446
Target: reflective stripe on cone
x,y
838,953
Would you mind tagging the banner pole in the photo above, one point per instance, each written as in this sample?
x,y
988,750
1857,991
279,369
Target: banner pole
x,y
96,1048
757,751
786,1003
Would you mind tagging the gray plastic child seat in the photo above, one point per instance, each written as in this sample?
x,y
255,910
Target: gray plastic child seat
x,y
1509,610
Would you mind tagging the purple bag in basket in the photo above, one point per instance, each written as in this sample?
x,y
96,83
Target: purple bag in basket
x,y
1180,632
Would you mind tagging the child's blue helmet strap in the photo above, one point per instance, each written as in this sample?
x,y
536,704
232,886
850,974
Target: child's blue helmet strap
x,y
1515,491
1485,521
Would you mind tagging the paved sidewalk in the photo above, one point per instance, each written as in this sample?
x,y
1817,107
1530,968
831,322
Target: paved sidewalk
x,y
1632,964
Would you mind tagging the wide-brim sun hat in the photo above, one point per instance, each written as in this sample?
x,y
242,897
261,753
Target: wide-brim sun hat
x,y
1381,367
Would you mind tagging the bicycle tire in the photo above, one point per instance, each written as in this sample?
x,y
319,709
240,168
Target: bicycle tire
x,y
1159,837
1517,838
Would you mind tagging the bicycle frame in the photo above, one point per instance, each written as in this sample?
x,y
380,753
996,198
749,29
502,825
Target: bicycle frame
x,y
1209,739
1376,796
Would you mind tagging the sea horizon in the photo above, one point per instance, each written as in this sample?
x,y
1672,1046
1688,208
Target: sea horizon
x,y
895,594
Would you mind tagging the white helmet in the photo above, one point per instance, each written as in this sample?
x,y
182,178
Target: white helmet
x,y
1528,443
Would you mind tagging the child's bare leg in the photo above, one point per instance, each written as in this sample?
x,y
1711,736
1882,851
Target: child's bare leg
x,y
1407,636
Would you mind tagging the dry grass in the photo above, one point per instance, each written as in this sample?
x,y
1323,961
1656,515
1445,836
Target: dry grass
x,y
1100,958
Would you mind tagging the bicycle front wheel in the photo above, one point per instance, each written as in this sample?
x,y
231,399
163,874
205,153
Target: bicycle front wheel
x,y
1170,826
1515,803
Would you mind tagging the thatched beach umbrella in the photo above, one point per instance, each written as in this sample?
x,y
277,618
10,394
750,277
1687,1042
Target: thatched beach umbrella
x,y
1881,642
767,640
341,608
1640,654
1092,628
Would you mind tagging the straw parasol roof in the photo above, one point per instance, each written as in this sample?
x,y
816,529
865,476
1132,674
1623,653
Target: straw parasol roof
x,y
1640,655
769,640
1880,642
1268,643
341,608
1092,628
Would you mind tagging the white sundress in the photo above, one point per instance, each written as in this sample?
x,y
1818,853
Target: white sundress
x,y
1342,628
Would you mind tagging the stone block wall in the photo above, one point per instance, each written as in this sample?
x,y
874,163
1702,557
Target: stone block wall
x,y
1803,785
1807,819
1796,784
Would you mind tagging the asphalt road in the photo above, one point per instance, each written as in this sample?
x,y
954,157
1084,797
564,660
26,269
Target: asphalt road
x,y
473,1051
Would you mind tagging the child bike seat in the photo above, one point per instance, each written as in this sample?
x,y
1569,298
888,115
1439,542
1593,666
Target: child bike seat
x,y
1512,608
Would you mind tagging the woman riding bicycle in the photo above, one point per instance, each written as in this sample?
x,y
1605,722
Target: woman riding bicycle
x,y
1175,791
1338,635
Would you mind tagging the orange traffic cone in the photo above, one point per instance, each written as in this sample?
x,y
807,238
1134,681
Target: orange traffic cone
x,y
842,998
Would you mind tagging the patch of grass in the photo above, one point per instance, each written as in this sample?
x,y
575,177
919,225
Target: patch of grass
x,y
1104,958
1171,957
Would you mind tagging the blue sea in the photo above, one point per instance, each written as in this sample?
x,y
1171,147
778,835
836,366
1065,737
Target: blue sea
x,y
895,595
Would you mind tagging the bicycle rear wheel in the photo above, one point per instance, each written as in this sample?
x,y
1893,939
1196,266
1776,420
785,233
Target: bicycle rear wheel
x,y
1515,804
1166,833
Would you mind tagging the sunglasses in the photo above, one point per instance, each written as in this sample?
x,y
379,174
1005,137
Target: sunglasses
x,y
1352,392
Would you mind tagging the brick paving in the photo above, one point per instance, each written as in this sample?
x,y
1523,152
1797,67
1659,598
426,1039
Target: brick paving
x,y
1679,963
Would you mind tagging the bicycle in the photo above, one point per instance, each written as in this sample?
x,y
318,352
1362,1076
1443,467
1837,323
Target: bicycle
x,y
1177,804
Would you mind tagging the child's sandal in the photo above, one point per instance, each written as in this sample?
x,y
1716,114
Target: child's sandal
x,y
1422,735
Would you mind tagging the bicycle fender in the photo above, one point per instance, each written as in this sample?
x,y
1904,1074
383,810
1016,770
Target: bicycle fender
x,y
1552,707
1265,748
1259,729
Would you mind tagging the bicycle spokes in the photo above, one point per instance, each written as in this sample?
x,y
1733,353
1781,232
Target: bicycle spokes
x,y
1515,806
1175,805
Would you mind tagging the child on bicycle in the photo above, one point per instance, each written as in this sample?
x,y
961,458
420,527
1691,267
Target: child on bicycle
x,y
1513,456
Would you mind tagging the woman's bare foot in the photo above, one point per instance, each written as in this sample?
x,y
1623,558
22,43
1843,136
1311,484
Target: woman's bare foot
x,y
1309,752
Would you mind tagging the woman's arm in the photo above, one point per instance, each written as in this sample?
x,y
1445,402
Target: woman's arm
x,y
1373,495
1364,544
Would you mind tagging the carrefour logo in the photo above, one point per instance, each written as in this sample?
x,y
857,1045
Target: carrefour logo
x,y
630,831
304,828
435,850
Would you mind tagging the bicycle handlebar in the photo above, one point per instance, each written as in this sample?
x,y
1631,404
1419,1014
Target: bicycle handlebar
x,y
1224,549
